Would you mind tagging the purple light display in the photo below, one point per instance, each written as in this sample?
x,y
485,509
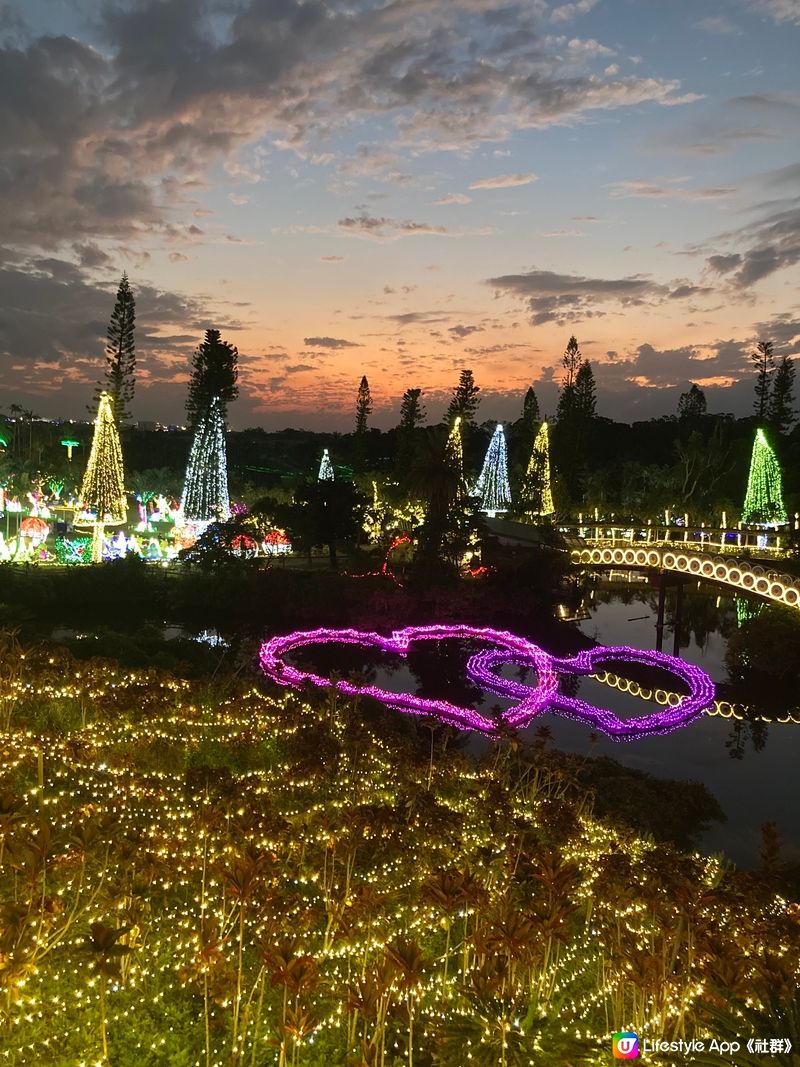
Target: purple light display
x,y
532,700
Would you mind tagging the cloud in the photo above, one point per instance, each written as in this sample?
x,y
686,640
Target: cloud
x,y
385,229
563,233
238,199
770,243
298,368
724,264
778,10
464,331
680,292
109,142
558,298
332,259
178,257
647,190
718,26
329,342
453,198
504,181
565,12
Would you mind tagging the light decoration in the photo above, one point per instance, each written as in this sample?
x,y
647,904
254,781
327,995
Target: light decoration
x,y
537,476
763,502
492,485
102,496
325,468
306,887
69,443
738,573
205,492
455,447
509,649
34,528
276,543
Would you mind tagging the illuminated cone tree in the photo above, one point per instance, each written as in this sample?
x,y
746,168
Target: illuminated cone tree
x,y
763,502
205,491
537,492
492,485
102,499
325,468
455,447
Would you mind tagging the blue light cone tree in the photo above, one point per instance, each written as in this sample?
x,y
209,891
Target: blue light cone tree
x,y
763,502
325,468
205,491
492,485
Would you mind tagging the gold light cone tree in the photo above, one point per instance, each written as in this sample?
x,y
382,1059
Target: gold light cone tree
x,y
103,489
537,491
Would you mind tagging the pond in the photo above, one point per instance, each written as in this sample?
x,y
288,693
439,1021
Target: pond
x,y
750,769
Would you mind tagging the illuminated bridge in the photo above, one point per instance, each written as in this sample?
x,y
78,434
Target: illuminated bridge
x,y
737,573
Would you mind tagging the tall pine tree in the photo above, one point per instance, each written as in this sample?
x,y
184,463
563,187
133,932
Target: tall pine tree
x,y
214,374
764,362
120,371
780,411
530,410
363,406
465,400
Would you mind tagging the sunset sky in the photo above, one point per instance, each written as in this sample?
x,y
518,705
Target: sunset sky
x,y
400,189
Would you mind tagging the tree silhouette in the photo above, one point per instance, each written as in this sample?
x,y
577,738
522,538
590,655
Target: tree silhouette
x,y
764,362
120,353
464,402
214,374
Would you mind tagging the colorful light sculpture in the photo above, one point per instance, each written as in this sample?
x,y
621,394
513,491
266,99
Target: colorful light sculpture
x,y
492,484
537,477
531,700
763,502
205,491
325,468
102,497
69,443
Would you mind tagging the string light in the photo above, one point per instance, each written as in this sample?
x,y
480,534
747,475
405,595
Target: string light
x,y
492,485
205,491
268,908
325,468
102,496
537,491
510,649
763,502
455,447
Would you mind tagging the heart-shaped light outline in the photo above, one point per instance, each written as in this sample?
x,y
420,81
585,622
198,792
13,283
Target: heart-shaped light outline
x,y
533,701
481,669
545,696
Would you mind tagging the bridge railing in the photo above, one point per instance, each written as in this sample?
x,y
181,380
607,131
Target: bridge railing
x,y
769,544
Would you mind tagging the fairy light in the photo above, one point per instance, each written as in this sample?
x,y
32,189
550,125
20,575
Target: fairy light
x,y
763,502
317,907
455,447
537,477
492,485
205,491
325,468
102,496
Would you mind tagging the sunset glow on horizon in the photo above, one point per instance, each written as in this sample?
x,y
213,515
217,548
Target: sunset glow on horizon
x,y
399,189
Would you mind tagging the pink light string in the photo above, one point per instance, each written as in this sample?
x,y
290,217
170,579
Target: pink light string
x,y
532,700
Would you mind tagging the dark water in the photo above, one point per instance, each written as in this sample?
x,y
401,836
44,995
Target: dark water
x,y
760,785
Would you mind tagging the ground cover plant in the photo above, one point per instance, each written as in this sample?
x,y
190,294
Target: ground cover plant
x,y
218,874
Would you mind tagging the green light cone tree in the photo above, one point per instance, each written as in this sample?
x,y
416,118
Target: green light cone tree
x,y
205,491
763,502
103,489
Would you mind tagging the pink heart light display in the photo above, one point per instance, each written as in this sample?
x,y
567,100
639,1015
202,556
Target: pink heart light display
x,y
534,700
481,668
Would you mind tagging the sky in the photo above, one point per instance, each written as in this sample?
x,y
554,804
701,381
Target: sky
x,y
402,189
